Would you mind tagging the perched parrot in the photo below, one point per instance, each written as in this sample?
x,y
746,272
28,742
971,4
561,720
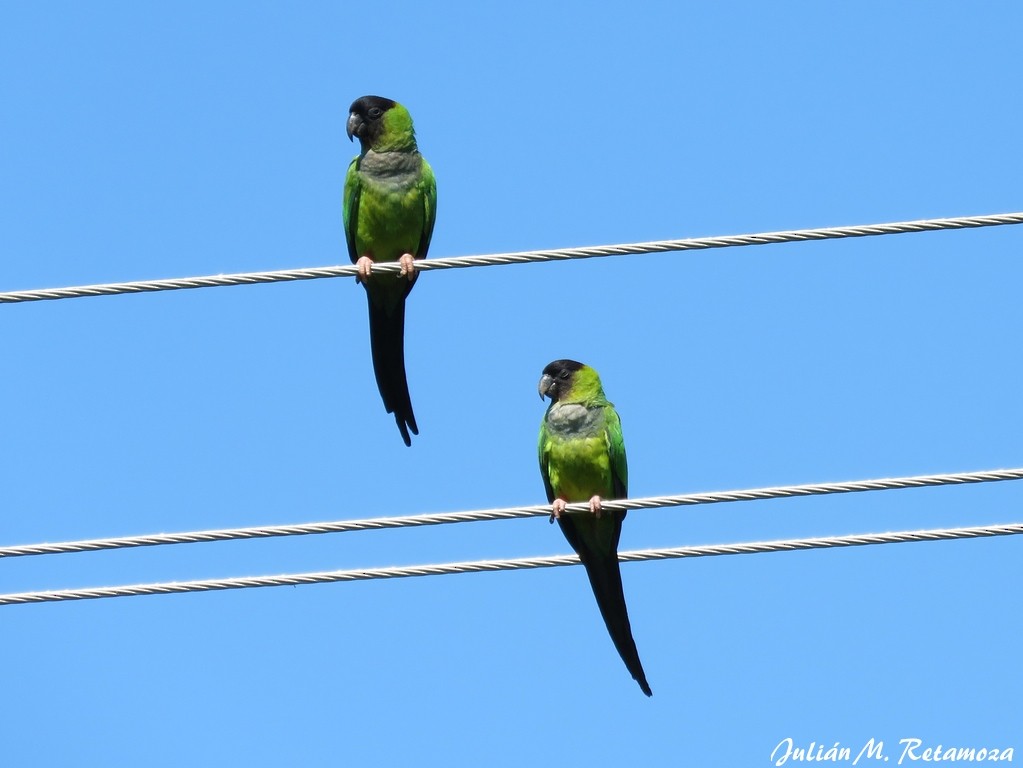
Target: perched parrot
x,y
582,458
390,205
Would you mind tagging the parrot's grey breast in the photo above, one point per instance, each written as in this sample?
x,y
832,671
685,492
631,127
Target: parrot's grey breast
x,y
395,170
574,420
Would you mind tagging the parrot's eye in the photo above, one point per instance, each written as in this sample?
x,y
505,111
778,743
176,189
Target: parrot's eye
x,y
375,112
563,375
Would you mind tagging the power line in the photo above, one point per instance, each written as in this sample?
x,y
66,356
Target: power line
x,y
518,257
783,545
508,513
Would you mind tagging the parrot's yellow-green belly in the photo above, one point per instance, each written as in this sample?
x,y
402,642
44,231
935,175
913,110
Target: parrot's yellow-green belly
x,y
391,222
580,469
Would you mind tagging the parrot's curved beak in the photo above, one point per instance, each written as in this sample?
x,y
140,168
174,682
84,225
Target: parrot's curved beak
x,y
354,126
545,386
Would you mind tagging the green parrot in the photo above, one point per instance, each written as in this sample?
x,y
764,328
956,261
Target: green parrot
x,y
582,458
390,205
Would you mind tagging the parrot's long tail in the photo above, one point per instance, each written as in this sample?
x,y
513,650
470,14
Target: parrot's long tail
x,y
387,340
606,580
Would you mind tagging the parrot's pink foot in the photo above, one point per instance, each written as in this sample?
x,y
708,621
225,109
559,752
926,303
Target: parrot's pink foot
x,y
408,266
595,506
364,266
557,509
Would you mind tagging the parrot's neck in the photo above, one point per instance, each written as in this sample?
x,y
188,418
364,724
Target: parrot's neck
x,y
402,143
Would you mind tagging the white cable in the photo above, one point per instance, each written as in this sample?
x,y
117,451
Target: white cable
x,y
784,545
519,257
508,513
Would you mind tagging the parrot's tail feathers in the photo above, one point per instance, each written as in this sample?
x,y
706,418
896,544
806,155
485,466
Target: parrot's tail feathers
x,y
606,579
387,341
643,684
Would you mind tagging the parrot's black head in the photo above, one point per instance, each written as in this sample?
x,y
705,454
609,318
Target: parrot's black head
x,y
557,378
365,118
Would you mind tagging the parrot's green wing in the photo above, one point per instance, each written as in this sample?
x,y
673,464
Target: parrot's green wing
x,y
544,450
428,186
350,207
616,450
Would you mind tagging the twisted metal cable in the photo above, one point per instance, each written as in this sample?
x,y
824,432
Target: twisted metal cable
x,y
519,257
363,574
509,513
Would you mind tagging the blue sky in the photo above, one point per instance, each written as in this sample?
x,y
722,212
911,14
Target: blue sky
x,y
164,140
